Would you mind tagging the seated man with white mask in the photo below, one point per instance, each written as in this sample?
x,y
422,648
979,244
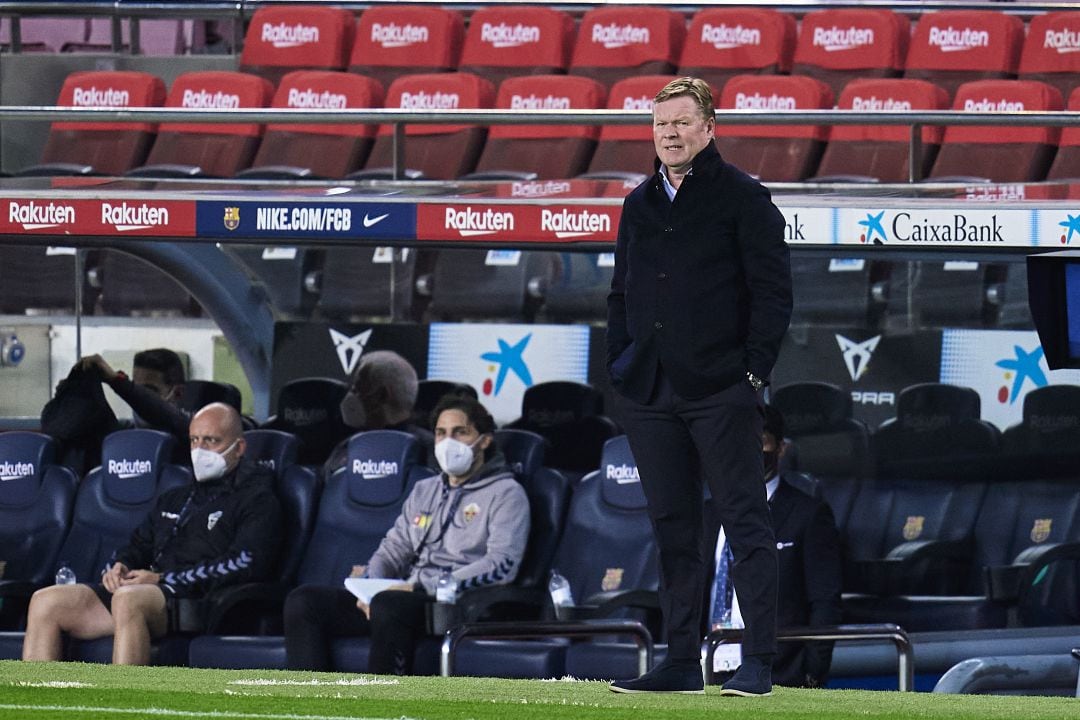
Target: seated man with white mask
x,y
223,529
471,520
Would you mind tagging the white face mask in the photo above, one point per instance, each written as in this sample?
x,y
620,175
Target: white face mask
x,y
209,465
454,456
352,411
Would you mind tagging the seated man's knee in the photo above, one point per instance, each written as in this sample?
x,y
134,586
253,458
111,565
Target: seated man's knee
x,y
136,601
300,606
55,601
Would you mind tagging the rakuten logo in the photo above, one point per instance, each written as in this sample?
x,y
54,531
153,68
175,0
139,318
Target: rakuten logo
x,y
396,36
508,36
535,102
1041,423
566,224
837,39
617,36
373,469
209,100
430,101
988,105
126,217
539,189
324,100
287,36
305,416
950,39
92,97
470,223
724,37
1064,41
125,469
33,216
757,101
639,103
876,103
15,470
622,474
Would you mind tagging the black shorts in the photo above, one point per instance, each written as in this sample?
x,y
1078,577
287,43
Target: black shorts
x,y
106,599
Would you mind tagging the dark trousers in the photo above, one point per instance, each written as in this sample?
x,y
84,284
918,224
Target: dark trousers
x,y
677,444
316,614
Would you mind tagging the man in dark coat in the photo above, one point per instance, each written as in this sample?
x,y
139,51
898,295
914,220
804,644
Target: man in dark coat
x,y
225,528
700,301
809,553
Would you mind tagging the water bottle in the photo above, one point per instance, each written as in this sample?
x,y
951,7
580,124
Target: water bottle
x,y
446,590
65,575
561,596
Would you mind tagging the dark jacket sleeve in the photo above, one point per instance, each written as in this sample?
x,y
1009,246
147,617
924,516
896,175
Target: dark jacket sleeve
x,y
822,571
160,414
252,555
767,268
138,554
618,334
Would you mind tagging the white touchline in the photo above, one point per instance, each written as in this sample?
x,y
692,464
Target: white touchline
x,y
350,682
165,712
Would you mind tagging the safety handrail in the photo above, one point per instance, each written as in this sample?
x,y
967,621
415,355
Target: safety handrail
x,y
522,630
905,658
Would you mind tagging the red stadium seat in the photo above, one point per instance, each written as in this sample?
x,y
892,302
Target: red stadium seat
x,y
318,150
621,42
725,42
103,148
952,47
529,152
283,38
208,149
999,154
510,41
440,152
1066,164
1051,51
837,46
774,153
871,153
628,148
393,40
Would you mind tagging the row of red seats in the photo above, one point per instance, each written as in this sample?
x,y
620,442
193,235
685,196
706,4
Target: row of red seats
x,y
776,153
612,43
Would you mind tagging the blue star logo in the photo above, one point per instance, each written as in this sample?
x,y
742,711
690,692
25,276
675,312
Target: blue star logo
x,y
872,223
509,357
1026,366
1072,225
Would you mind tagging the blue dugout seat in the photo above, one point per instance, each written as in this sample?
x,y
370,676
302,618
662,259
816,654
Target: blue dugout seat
x,y
309,408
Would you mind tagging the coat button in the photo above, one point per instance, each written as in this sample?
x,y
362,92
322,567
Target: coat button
x,y
661,276
658,325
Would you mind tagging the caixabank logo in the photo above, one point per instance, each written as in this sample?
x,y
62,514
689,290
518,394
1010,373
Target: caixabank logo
x,y
1070,227
940,227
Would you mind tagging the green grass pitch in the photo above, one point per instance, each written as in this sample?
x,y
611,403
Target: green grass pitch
x,y
44,691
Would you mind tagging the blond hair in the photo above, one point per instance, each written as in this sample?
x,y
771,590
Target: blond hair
x,y
691,87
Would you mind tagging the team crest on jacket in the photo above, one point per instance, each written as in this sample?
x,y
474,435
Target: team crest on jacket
x,y
913,527
612,579
1041,530
212,518
470,512
421,520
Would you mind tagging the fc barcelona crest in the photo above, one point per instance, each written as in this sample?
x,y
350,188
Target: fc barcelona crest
x,y
232,218
612,579
913,527
1040,531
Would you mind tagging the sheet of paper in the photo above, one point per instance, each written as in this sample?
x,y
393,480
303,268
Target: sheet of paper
x,y
366,588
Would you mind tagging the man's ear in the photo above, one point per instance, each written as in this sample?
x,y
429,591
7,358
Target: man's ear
x,y
485,441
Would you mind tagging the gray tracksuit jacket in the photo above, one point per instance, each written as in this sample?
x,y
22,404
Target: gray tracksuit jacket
x,y
477,530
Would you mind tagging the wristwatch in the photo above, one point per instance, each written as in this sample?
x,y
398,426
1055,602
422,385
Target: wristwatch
x,y
755,381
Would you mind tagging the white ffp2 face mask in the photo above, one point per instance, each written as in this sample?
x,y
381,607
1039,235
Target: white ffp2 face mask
x,y
454,456
353,412
209,465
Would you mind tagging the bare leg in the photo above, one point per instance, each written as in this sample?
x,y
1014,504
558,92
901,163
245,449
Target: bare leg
x,y
74,609
139,614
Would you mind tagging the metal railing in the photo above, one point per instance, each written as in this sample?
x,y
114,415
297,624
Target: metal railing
x,y
905,658
915,120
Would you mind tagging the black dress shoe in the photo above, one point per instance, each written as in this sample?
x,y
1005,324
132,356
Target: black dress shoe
x,y
671,676
753,679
